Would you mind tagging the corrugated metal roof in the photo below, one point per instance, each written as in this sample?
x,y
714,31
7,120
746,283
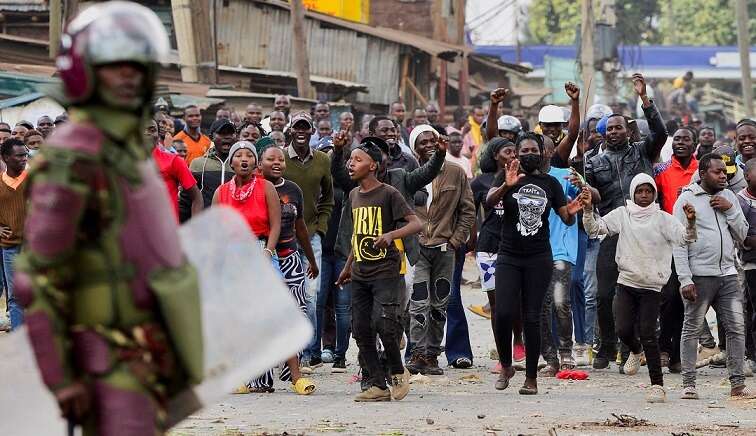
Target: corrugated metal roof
x,y
290,75
23,5
258,36
23,99
435,48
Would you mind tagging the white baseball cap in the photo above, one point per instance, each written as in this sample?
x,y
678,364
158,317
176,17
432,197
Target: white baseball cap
x,y
551,114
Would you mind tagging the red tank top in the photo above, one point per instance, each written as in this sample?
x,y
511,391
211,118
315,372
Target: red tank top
x,y
254,208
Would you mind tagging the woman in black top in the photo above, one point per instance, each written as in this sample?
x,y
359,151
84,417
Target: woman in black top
x,y
524,262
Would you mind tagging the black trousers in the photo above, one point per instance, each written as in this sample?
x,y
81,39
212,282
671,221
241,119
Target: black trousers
x,y
639,308
750,305
671,319
521,284
375,309
606,274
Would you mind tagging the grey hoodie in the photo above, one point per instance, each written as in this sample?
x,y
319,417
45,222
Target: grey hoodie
x,y
713,253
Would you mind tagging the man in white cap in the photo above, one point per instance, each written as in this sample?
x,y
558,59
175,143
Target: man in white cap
x,y
551,121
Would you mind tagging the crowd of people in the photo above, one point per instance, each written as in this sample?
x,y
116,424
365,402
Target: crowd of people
x,y
591,248
573,227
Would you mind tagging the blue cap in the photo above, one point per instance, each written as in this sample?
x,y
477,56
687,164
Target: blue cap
x,y
601,126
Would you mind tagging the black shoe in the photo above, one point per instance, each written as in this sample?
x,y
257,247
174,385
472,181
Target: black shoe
x,y
675,368
315,362
431,366
339,365
600,362
416,364
365,383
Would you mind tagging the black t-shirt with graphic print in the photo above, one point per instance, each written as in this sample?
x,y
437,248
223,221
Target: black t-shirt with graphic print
x,y
292,207
373,214
525,227
490,230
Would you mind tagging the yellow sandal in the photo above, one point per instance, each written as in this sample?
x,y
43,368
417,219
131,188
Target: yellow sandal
x,y
304,386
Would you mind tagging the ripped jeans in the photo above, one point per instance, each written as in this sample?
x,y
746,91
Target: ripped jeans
x,y
376,309
429,300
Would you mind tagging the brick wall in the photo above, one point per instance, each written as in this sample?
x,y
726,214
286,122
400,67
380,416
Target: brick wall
x,y
409,15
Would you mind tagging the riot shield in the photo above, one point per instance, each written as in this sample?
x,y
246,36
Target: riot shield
x,y
250,322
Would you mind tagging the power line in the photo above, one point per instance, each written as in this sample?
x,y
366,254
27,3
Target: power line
x,y
501,7
488,14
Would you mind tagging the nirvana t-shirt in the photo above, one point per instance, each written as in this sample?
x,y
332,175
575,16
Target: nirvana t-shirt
x,y
525,228
291,209
373,214
490,229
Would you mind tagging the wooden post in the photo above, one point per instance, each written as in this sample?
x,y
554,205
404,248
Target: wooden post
x,y
300,50
586,50
464,74
55,26
194,37
405,76
744,46
442,88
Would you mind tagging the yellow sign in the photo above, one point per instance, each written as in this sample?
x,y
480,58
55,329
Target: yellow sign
x,y
352,10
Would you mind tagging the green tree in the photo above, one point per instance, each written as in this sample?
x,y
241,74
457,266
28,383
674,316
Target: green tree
x,y
702,22
685,22
553,21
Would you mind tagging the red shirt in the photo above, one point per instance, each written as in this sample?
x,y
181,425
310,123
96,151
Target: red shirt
x,y
254,208
175,173
670,177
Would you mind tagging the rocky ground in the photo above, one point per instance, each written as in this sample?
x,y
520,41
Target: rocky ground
x,y
465,402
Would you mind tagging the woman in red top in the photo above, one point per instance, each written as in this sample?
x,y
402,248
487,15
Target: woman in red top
x,y
254,197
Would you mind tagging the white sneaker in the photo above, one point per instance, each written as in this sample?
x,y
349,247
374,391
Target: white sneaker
x,y
633,364
656,394
581,355
747,369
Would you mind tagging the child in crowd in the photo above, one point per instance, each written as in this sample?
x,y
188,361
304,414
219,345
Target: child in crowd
x,y
373,267
644,255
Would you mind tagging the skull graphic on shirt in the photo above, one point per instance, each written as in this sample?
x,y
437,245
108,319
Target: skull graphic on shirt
x,y
531,202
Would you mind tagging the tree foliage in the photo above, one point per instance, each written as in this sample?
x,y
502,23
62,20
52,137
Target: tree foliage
x,y
685,22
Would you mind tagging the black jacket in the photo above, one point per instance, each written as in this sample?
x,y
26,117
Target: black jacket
x,y
611,172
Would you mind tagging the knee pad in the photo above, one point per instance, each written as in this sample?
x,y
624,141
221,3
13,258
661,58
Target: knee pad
x,y
123,412
443,288
438,315
420,291
420,319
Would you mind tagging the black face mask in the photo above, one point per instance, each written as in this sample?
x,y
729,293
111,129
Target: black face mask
x,y
530,162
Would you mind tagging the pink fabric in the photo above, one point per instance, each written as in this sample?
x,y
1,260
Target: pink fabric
x,y
22,288
148,238
82,138
42,339
92,352
52,218
123,413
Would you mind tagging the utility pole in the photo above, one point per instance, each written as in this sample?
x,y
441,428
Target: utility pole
x,y
587,64
301,50
55,26
464,70
608,66
744,46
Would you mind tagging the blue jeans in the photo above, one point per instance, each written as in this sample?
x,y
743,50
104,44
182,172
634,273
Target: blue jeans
x,y
313,287
577,290
15,310
331,268
591,289
457,335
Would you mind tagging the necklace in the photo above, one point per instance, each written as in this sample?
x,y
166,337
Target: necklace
x,y
244,191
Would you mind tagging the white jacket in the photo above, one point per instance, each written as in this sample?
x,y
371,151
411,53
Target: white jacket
x,y
644,248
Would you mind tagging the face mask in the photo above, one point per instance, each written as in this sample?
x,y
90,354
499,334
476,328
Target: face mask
x,y
530,162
